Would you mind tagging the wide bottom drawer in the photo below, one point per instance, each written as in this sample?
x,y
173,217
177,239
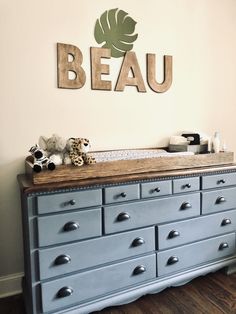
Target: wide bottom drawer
x,y
186,256
70,290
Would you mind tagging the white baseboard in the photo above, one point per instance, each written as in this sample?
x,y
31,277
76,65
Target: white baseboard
x,y
10,285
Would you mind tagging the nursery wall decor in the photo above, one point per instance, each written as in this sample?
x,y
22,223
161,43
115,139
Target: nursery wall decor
x,y
115,29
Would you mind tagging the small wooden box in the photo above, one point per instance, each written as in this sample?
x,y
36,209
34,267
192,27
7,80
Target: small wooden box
x,y
108,169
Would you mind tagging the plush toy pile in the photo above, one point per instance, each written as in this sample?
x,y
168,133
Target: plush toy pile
x,y
55,151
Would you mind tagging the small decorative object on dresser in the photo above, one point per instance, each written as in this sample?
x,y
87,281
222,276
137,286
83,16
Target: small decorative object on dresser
x,y
107,240
40,159
56,149
78,151
216,143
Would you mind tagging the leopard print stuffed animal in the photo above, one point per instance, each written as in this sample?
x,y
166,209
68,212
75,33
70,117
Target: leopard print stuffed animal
x,y
78,151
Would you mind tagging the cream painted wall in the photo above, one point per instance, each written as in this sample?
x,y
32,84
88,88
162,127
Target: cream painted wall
x,y
200,35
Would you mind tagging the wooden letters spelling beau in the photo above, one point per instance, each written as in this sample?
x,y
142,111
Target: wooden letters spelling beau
x,y
70,60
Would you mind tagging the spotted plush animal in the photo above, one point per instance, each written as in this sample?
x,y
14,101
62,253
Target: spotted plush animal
x,y
78,152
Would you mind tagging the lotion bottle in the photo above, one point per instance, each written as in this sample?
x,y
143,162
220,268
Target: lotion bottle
x,y
216,142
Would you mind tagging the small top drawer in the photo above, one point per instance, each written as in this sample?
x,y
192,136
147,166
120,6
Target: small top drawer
x,y
121,193
186,185
67,201
218,180
158,188
218,200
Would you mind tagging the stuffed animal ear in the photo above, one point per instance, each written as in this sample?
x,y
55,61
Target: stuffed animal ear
x,y
43,142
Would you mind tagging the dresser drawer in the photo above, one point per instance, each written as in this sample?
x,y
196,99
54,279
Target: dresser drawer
x,y
154,189
121,193
190,255
68,201
186,185
222,199
69,227
218,180
95,283
150,212
84,254
195,229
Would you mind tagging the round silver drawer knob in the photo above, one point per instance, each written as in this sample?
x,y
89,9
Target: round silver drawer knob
x,y
72,202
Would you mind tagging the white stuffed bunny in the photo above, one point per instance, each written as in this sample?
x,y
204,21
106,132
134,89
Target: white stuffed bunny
x,y
55,148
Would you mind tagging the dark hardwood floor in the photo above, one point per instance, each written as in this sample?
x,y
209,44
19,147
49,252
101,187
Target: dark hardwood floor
x,y
211,294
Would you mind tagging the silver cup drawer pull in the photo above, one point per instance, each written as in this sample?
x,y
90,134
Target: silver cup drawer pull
x,y
186,205
138,241
223,246
173,234
123,216
139,270
225,222
71,226
62,259
220,200
64,292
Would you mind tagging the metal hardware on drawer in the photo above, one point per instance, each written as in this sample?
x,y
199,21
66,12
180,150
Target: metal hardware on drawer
x,y
72,202
156,190
123,216
64,292
138,241
123,194
223,246
62,259
225,222
71,226
139,270
220,200
221,181
173,234
186,205
188,185
172,260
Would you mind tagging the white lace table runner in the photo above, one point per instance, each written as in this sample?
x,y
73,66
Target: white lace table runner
x,y
135,154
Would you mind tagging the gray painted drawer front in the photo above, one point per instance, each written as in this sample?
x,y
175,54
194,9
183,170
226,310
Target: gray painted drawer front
x,y
121,193
67,227
72,257
139,214
97,282
154,189
222,199
186,185
177,259
68,201
195,229
218,180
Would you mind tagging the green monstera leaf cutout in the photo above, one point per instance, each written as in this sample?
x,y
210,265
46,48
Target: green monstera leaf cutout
x,y
116,29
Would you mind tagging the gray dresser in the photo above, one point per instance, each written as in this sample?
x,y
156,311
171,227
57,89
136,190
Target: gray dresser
x,y
97,243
